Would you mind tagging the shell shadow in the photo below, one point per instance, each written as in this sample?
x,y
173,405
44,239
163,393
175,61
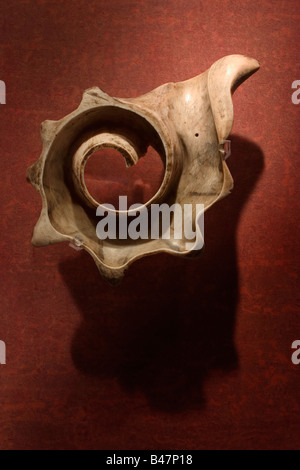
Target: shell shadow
x,y
171,322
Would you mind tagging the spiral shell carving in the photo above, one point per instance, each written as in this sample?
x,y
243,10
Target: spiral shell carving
x,y
187,123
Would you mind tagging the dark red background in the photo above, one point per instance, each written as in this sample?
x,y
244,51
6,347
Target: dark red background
x,y
185,354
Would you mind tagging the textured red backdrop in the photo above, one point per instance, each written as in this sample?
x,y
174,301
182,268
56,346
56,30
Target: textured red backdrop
x,y
185,354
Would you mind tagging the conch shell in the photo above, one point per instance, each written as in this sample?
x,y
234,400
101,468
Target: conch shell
x,y
187,123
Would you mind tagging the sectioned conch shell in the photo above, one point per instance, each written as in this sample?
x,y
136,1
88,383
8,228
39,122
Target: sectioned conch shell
x,y
187,123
